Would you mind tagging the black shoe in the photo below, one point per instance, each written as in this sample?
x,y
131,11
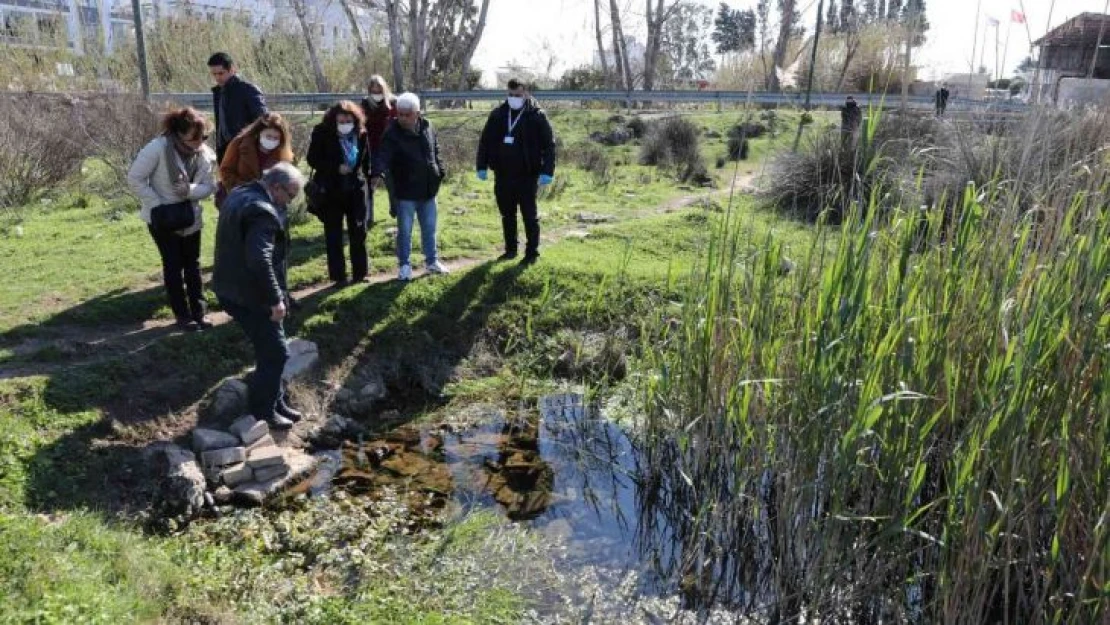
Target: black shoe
x,y
289,412
186,325
340,283
279,422
506,256
529,260
203,324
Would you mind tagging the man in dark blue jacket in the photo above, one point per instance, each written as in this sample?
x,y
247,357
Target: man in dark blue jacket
x,y
248,279
236,103
518,144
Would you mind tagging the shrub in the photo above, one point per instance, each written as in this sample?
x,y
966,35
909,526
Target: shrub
x,y
457,146
594,160
116,128
616,137
637,126
675,143
748,130
39,147
738,148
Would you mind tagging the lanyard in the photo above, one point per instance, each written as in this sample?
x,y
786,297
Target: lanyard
x,y
512,124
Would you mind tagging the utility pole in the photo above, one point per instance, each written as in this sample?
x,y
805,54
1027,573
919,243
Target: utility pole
x,y
140,43
812,66
974,46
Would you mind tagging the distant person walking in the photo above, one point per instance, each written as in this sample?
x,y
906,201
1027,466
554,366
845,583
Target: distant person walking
x,y
235,101
851,116
171,175
380,108
408,163
339,153
518,144
941,97
249,271
260,146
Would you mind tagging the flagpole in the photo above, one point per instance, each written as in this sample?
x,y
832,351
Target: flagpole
x,y
1025,20
1006,48
996,70
974,45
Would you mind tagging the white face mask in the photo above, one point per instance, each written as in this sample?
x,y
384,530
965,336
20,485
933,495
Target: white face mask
x,y
377,97
269,144
515,102
346,129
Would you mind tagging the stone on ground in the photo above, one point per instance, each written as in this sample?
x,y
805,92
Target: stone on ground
x,y
229,400
265,457
236,474
223,457
182,486
207,440
300,465
303,355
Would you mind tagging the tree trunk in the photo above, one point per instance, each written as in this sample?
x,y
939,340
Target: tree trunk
x,y
600,41
360,44
313,56
786,26
851,46
619,51
472,46
656,19
396,44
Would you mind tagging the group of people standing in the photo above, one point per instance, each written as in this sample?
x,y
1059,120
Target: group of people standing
x,y
356,150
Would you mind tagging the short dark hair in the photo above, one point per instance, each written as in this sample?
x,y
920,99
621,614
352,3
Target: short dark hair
x,y
220,59
184,121
515,83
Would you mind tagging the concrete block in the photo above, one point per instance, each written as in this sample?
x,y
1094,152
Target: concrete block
x,y
237,474
207,440
265,457
266,474
257,431
265,441
223,457
241,425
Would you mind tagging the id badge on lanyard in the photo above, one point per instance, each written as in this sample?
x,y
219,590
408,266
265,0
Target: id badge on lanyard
x,y
509,139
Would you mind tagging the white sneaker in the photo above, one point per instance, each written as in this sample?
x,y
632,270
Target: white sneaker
x,y
406,273
438,268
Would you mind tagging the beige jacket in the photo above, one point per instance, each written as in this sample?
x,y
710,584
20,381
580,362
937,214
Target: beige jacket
x,y
149,179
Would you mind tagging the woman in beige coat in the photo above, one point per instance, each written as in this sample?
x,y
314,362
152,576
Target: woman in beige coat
x,y
178,167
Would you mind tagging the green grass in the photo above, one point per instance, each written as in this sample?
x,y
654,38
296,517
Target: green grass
x,y
70,439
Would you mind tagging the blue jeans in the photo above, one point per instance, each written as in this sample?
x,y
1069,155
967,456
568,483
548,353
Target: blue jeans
x,y
425,212
270,354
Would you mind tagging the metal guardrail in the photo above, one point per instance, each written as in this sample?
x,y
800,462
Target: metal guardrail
x,y
317,100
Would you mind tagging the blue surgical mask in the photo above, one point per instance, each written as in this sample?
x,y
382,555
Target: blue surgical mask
x,y
515,102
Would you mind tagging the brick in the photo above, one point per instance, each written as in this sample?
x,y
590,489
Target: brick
x,y
241,425
237,474
207,440
265,441
258,431
265,457
266,474
223,457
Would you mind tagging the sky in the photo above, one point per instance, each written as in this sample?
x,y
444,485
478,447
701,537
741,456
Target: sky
x,y
536,33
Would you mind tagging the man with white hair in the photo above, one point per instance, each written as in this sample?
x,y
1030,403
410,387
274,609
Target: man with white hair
x,y
408,163
249,280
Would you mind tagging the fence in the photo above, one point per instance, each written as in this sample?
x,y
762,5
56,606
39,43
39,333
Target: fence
x,y
286,101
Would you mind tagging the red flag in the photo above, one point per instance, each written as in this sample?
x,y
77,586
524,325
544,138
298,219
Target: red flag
x,y
1017,17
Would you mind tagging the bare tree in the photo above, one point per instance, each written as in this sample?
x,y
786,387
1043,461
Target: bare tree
x,y
301,11
472,45
600,41
620,53
393,11
356,31
657,18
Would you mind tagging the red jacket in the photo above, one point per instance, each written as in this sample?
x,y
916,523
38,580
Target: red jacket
x,y
378,117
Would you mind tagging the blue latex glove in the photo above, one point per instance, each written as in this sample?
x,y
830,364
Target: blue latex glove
x,y
483,175
545,180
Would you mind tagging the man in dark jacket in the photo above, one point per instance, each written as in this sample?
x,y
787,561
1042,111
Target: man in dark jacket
x,y
941,98
236,102
248,279
409,164
518,144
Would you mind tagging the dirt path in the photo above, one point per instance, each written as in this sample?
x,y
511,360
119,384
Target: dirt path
x,y
72,345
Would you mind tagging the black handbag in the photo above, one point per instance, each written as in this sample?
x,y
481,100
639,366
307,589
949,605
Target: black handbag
x,y
314,194
173,217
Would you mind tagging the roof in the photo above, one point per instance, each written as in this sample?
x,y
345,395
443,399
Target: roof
x,y
1081,31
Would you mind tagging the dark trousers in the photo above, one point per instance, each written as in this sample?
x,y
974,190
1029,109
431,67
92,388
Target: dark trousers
x,y
513,194
353,208
181,272
270,354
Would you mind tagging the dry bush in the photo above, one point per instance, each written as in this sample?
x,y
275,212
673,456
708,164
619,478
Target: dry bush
x,y
38,148
458,146
675,143
115,129
594,160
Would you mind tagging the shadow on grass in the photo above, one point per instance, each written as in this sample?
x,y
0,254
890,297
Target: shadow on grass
x,y
417,337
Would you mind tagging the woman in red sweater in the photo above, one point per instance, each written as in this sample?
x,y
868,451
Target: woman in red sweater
x,y
379,109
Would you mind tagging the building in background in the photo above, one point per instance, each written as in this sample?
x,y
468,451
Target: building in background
x,y
1069,54
81,25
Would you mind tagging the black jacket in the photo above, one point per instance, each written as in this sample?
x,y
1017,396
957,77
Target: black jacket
x,y
325,156
242,103
409,162
251,248
534,131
